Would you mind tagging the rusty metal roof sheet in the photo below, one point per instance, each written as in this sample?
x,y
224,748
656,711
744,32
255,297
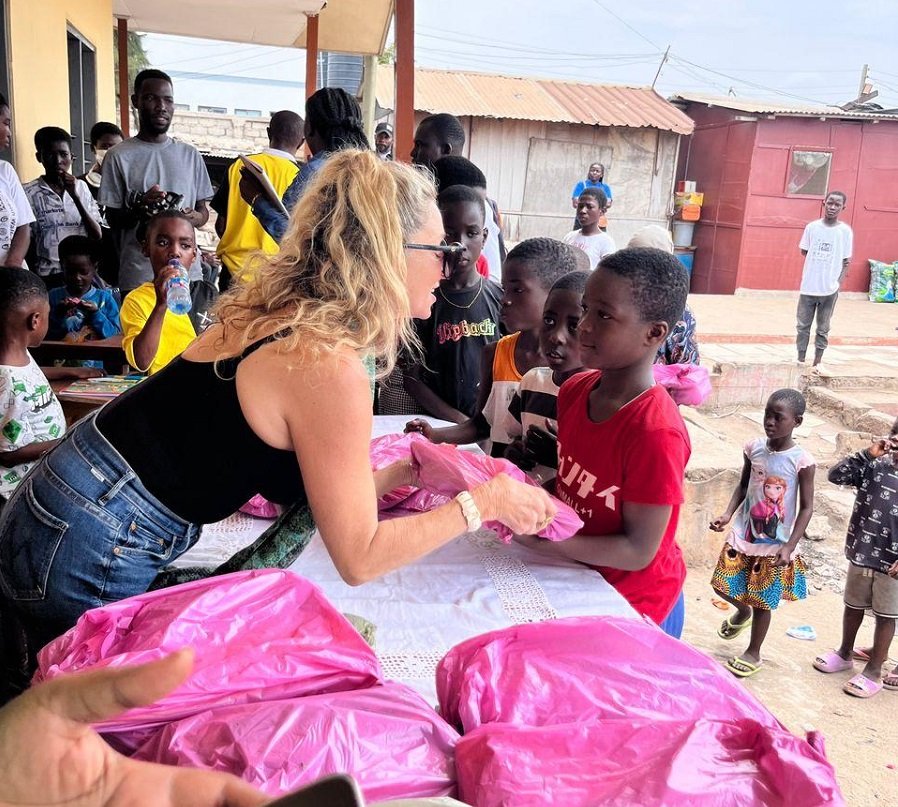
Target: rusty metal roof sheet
x,y
764,107
520,98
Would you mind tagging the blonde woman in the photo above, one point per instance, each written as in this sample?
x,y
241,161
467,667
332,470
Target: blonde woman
x,y
274,400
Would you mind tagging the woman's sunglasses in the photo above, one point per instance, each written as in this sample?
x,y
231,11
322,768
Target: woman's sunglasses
x,y
451,253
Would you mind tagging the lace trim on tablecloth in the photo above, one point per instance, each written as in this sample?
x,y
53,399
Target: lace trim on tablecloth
x,y
521,595
421,665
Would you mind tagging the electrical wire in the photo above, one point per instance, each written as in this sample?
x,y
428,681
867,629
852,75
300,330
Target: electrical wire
x,y
681,60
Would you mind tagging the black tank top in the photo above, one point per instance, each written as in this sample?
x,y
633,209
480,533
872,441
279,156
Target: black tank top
x,y
185,436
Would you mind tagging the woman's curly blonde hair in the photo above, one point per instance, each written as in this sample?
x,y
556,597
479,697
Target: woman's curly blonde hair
x,y
339,279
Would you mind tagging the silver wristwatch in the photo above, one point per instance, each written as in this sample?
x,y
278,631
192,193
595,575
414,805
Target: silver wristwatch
x,y
469,510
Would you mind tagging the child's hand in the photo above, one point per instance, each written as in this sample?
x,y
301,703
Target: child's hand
x,y
882,446
421,427
720,522
893,569
542,445
68,182
87,305
783,556
516,453
160,284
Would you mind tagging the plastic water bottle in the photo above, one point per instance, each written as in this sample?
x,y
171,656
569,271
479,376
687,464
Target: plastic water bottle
x,y
178,297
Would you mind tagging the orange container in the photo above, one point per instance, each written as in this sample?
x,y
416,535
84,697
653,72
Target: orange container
x,y
689,213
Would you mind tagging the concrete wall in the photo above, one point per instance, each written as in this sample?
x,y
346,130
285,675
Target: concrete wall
x,y
38,62
224,135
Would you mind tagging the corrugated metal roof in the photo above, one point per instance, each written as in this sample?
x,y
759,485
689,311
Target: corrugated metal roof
x,y
483,95
762,107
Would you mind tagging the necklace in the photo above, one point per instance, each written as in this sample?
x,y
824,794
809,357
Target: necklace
x,y
463,307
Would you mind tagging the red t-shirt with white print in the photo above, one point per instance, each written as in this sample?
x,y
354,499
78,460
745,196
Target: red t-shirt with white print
x,y
638,455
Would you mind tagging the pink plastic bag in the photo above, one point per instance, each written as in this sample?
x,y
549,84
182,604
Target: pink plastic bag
x,y
688,384
391,448
581,668
541,704
257,635
642,763
445,469
387,737
260,507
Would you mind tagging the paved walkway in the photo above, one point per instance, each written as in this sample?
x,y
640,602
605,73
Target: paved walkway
x,y
769,318
839,361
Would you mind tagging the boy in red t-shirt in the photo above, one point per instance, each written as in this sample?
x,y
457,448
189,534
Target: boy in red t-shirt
x,y
622,445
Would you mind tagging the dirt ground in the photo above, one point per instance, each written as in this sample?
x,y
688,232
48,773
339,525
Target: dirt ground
x,y
861,735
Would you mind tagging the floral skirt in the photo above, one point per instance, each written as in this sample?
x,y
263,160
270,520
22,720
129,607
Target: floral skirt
x,y
756,582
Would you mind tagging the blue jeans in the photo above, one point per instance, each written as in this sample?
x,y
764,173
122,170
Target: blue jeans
x,y
674,621
81,531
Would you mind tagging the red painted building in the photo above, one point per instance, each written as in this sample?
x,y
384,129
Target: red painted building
x,y
765,169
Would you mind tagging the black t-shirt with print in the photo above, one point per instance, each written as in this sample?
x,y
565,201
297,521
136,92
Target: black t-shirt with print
x,y
461,323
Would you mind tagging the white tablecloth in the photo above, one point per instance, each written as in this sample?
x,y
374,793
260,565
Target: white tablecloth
x,y
470,586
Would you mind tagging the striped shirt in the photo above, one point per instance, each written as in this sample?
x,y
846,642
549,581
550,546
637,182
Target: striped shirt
x,y
536,401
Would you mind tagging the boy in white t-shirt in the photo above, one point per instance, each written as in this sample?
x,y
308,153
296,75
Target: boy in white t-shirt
x,y
589,237
31,418
826,246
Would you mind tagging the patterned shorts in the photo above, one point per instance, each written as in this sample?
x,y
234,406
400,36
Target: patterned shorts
x,y
756,582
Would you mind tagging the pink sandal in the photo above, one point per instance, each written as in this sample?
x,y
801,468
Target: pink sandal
x,y
890,680
832,662
861,687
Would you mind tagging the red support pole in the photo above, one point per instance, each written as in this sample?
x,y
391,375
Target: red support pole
x,y
404,26
124,90
311,54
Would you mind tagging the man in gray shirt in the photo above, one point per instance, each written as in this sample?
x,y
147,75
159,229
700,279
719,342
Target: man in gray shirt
x,y
142,174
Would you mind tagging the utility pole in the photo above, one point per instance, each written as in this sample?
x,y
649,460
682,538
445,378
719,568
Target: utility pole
x,y
865,91
663,60
863,84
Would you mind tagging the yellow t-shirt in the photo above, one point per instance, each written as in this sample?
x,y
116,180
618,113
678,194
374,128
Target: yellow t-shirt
x,y
177,329
243,234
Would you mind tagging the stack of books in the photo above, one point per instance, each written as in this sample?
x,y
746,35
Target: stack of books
x,y
106,387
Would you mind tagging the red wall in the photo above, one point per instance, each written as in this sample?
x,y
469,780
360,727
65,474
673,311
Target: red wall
x,y
718,156
750,228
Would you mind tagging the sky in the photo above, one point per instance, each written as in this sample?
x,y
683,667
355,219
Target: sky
x,y
793,51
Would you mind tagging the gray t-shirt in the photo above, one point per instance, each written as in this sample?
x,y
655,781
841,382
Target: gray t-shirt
x,y
135,165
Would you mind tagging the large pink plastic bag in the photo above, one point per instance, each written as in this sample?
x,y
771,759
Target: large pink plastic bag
x,y
688,384
387,737
390,448
257,635
585,668
642,763
443,468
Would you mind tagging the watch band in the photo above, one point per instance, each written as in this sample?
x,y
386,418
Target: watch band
x,y
469,510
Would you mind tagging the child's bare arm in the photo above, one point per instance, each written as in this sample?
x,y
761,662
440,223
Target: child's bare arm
x,y
430,402
471,429
29,453
736,499
63,373
146,343
802,518
631,550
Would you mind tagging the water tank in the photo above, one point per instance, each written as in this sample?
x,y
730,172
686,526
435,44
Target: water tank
x,y
340,70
